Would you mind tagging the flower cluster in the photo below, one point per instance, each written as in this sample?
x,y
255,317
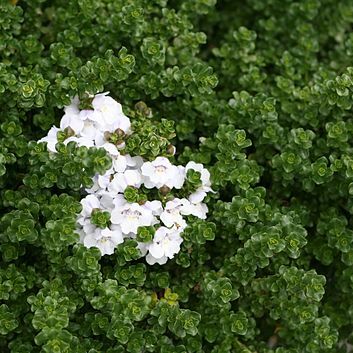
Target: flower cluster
x,y
102,124
134,199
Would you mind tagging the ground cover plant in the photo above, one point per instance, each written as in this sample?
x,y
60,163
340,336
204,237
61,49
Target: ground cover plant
x,y
256,93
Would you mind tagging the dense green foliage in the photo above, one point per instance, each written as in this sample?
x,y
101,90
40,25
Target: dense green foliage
x,y
261,94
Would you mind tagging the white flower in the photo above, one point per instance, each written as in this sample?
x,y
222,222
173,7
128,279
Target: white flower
x,y
121,181
80,141
109,114
107,201
95,187
142,247
131,216
89,203
86,114
198,210
171,216
100,126
161,172
152,261
88,227
205,174
119,200
119,163
106,108
122,122
111,149
199,195
101,138
179,179
73,121
73,107
105,240
155,206
166,243
51,139
81,233
135,162
89,129
104,180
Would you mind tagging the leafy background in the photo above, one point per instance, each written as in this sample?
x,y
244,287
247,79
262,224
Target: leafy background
x,y
261,93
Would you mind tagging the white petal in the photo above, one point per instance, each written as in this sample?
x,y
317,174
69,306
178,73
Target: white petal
x,y
90,241
119,164
167,218
107,201
143,247
197,196
104,181
172,249
160,234
72,121
133,177
119,201
73,107
89,203
116,216
89,130
147,169
111,149
155,206
156,250
86,114
151,260
99,139
106,247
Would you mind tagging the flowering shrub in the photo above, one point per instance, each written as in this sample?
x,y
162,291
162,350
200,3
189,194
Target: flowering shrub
x,y
223,154
115,207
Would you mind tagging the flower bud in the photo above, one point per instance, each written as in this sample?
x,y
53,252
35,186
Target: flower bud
x,y
107,136
164,190
143,108
69,132
171,150
119,133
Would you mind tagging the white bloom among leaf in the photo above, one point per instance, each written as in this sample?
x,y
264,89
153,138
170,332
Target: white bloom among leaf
x,y
73,107
87,115
105,240
106,126
108,113
152,260
166,243
199,195
89,130
171,216
161,172
51,139
89,203
105,179
80,141
107,201
130,216
106,109
111,149
155,206
121,181
72,121
198,167
135,162
198,210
